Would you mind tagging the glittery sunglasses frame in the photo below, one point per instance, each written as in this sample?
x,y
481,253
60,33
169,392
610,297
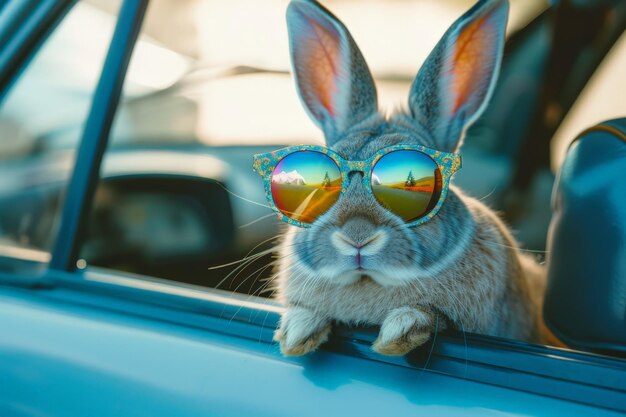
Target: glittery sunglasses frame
x,y
448,163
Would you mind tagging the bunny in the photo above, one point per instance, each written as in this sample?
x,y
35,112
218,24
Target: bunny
x,y
461,269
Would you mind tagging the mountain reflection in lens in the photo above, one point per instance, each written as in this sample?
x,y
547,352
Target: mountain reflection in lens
x,y
407,182
305,185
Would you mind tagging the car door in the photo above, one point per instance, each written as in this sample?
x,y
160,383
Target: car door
x,y
83,340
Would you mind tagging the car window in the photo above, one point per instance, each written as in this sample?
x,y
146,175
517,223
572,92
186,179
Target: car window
x,y
53,92
191,208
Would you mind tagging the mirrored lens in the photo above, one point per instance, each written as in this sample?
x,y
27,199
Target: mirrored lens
x,y
305,185
408,183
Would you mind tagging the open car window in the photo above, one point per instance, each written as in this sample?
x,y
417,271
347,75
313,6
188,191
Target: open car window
x,y
235,97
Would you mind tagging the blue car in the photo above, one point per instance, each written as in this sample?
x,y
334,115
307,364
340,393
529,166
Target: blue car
x,y
136,245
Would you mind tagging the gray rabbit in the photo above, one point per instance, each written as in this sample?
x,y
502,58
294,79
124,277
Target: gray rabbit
x,y
461,269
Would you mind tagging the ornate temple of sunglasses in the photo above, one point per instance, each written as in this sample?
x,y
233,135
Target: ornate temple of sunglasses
x,y
303,182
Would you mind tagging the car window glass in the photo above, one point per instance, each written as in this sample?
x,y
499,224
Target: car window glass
x,y
40,125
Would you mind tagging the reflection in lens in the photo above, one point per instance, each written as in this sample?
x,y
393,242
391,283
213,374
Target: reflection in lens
x,y
305,185
408,183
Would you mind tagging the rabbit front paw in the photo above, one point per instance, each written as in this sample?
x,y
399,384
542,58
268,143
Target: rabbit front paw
x,y
301,331
403,330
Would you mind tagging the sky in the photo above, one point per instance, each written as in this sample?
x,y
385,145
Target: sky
x,y
311,165
395,166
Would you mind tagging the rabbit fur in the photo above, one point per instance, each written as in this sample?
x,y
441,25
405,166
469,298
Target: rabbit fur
x,y
462,269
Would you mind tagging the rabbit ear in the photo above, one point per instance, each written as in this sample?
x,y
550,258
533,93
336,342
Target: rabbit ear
x,y
453,87
331,75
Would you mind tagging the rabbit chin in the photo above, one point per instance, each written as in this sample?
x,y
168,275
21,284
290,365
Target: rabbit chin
x,y
356,276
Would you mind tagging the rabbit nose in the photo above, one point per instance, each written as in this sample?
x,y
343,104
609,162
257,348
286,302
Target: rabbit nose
x,y
358,236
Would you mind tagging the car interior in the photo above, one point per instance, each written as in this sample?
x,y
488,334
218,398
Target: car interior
x,y
586,296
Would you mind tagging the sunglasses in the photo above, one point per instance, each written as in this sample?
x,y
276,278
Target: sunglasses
x,y
303,182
